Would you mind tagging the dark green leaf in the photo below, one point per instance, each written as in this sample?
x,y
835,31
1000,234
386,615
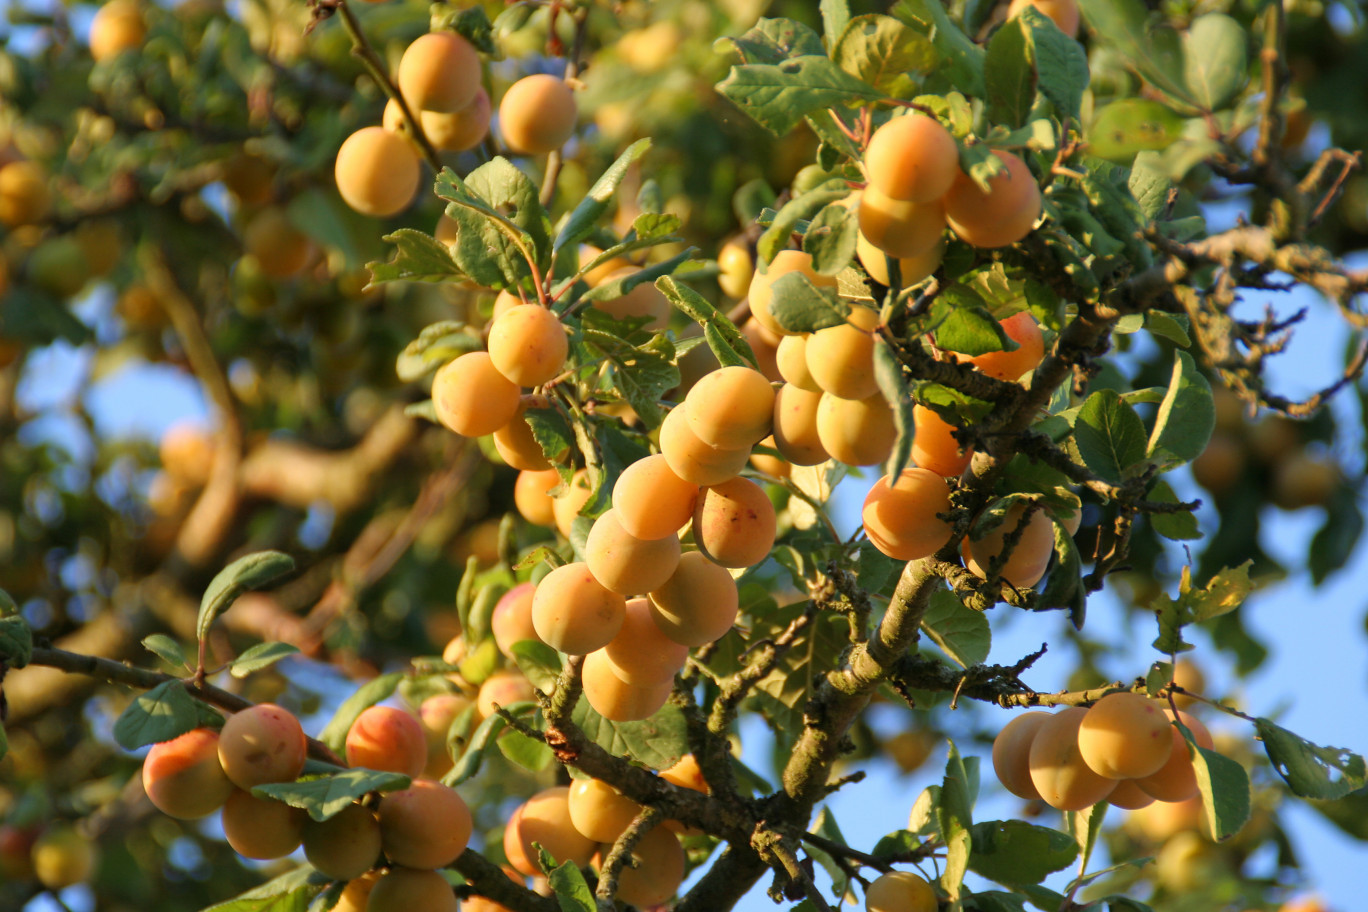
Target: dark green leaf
x,y
1009,73
1186,417
884,53
954,815
585,215
418,257
725,340
367,695
290,892
1014,851
242,575
830,239
1110,436
995,901
773,40
787,220
553,434
489,244
1311,771
16,641
1224,786
962,633
619,287
435,346
473,756
835,16
1060,61
328,796
262,655
965,324
899,842
1334,542
1214,58
1180,526
888,372
1064,589
962,59
657,742
529,753
1153,49
800,306
1169,326
568,884
539,663
166,711
1125,128
778,96
1085,825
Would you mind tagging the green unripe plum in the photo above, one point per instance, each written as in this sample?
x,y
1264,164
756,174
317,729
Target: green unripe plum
x,y
389,739
426,825
183,777
537,114
344,846
261,744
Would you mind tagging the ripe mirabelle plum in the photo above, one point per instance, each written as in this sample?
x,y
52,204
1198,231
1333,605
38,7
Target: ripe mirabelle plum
x,y
25,197
1125,736
777,466
900,519
426,825
912,158
1012,751
730,407
1003,215
761,292
1129,796
641,653
856,432
656,870
1022,329
1058,772
260,828
377,172
911,270
281,249
1187,674
261,744
357,893
841,358
503,688
440,71
517,446
736,268
531,499
698,603
600,811
651,501
117,27
389,739
1176,780
1026,564
183,777
545,818
791,359
528,344
537,114
899,228
627,564
457,131
934,446
900,891
795,425
344,846
401,889
511,620
734,523
765,346
477,903
567,505
471,396
1064,13
437,714
62,857
615,699
574,612
693,460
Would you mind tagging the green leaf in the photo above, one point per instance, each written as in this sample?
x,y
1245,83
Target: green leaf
x,y
1124,129
1060,61
166,711
825,826
954,815
1009,74
725,340
658,742
290,892
995,901
529,753
830,239
1180,526
800,306
1064,589
418,257
1223,593
1086,825
641,374
619,287
242,575
473,756
787,219
1151,47
328,796
367,695
1311,771
437,344
1014,851
962,633
585,215
1110,436
568,884
966,325
1224,786
553,434
835,16
538,662
899,842
165,648
16,641
888,372
262,655
487,240
773,40
962,59
778,96
1214,59
1186,417
884,53
1173,327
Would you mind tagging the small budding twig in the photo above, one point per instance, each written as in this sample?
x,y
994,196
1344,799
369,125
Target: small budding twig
x,y
620,855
